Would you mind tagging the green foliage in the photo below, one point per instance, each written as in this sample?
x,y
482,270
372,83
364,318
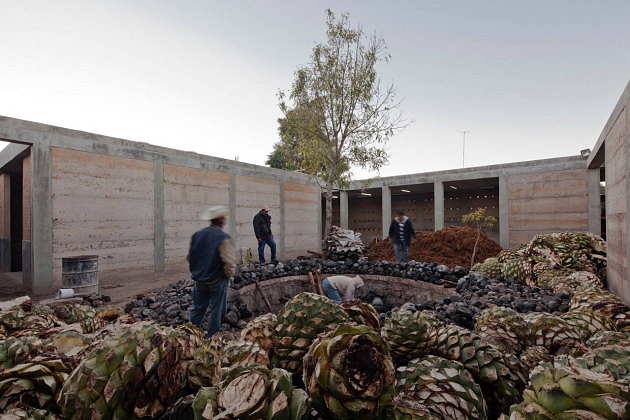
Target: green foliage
x,y
479,219
337,114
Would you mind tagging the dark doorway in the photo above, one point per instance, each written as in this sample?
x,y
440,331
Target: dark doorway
x,y
16,218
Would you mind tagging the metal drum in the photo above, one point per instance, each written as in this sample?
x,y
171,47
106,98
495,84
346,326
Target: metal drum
x,y
80,273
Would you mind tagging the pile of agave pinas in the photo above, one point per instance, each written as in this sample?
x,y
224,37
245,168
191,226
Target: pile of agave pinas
x,y
319,360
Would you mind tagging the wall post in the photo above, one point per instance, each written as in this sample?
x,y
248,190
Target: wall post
x,y
386,201
40,283
594,202
158,215
344,210
438,200
504,212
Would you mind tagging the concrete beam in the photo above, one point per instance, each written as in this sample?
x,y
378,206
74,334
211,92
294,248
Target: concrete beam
x,y
594,202
596,159
344,210
386,201
504,213
159,236
15,130
11,152
438,200
480,172
41,283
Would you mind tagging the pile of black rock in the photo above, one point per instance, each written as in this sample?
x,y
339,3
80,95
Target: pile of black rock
x,y
477,292
171,306
428,272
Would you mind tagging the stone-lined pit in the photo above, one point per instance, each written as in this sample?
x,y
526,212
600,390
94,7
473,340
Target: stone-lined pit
x,y
395,291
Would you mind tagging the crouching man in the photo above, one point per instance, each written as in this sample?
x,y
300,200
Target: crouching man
x,y
341,288
212,263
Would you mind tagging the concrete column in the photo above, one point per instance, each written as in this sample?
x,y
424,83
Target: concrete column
x,y
343,209
159,235
594,202
232,219
281,239
438,201
504,212
5,222
320,222
387,210
41,281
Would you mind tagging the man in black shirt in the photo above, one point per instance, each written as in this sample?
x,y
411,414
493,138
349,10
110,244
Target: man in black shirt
x,y
262,230
400,233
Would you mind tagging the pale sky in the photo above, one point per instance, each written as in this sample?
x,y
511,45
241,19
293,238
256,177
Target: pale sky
x,y
529,79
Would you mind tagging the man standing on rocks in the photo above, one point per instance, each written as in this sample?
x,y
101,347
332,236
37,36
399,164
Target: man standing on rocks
x,y
262,230
400,233
212,263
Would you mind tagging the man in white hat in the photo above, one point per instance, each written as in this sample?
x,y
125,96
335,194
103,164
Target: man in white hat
x,y
212,263
262,230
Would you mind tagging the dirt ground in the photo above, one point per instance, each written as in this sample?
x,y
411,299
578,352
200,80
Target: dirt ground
x,y
10,286
121,285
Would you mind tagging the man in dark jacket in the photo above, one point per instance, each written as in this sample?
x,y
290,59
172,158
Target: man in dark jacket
x,y
212,262
400,233
262,230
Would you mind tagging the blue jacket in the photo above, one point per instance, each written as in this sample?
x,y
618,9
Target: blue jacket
x,y
204,260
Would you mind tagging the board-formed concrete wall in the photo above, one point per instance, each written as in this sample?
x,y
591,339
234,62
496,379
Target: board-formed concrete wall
x,y
253,194
301,208
186,192
102,205
616,141
106,206
547,202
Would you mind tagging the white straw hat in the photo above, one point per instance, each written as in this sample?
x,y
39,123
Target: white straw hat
x,y
214,212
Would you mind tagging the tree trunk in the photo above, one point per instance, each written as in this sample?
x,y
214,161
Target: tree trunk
x,y
472,260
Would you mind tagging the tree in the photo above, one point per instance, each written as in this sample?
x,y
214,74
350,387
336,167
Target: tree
x,y
479,220
286,153
337,113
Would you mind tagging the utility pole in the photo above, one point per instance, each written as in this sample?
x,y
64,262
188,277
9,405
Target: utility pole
x,y
464,132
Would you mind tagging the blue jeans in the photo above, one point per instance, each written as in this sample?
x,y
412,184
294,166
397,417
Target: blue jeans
x,y
402,252
215,295
331,292
261,249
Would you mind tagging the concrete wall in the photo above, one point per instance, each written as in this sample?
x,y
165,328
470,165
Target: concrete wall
x,y
615,142
186,192
547,202
301,209
101,205
395,291
365,216
459,202
135,204
253,194
108,206
418,207
517,211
